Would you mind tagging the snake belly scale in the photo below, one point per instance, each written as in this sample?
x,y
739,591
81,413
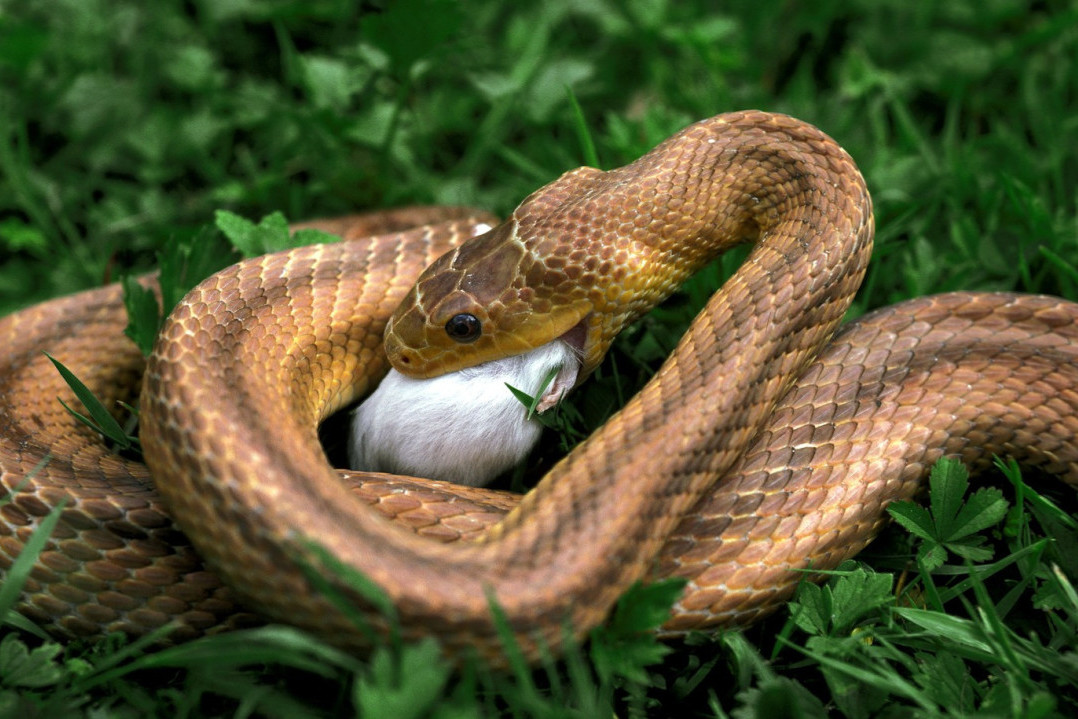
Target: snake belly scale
x,y
763,445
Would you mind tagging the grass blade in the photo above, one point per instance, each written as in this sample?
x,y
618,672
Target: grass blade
x,y
99,420
16,577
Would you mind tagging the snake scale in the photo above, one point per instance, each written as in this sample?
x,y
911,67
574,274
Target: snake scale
x,y
768,442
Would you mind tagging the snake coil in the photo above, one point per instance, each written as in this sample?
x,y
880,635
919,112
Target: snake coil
x,y
767,443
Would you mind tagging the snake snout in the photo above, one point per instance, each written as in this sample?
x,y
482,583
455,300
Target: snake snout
x,y
396,352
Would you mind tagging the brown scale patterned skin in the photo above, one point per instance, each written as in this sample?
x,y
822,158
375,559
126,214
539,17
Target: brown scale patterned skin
x,y
116,561
676,484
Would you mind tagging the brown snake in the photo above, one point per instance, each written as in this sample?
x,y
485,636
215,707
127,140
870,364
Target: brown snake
x,y
753,452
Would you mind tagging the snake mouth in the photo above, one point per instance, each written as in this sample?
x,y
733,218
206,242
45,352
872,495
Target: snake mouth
x,y
577,336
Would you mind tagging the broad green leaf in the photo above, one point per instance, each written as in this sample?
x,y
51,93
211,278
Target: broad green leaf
x,y
946,680
932,555
405,686
645,606
407,42
983,509
947,484
330,82
626,644
312,236
915,518
835,608
747,658
16,235
22,667
143,314
953,522
185,263
859,593
241,232
811,609
269,235
779,697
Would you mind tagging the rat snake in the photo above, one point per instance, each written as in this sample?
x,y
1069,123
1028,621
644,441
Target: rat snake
x,y
767,443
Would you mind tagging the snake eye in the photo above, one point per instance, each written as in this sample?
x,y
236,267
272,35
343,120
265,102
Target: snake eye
x,y
464,328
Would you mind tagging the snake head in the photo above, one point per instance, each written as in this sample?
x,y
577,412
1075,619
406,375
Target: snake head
x,y
572,263
487,299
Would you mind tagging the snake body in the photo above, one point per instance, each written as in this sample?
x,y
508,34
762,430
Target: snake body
x,y
765,444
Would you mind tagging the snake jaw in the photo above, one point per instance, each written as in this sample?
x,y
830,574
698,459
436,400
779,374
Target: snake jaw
x,y
577,336
582,340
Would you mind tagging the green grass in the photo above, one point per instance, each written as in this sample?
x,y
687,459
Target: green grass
x,y
127,126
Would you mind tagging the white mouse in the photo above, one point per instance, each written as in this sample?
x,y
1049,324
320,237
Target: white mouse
x,y
465,426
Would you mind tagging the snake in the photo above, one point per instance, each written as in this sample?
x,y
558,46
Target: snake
x,y
764,450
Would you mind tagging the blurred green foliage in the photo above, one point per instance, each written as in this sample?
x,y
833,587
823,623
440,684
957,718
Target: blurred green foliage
x,y
125,125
